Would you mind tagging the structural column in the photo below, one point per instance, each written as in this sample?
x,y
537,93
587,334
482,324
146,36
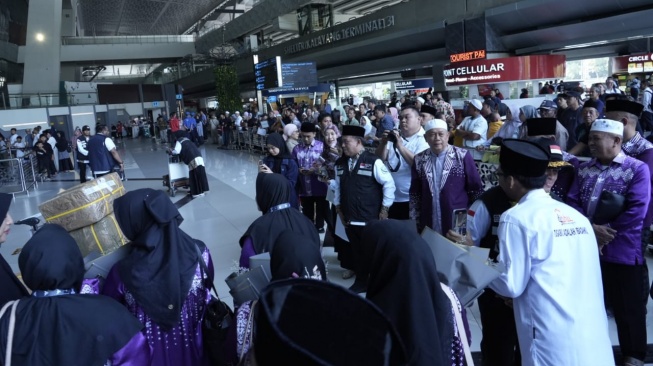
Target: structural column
x,y
43,47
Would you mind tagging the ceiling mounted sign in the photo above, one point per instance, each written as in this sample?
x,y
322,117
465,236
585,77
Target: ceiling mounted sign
x,y
501,70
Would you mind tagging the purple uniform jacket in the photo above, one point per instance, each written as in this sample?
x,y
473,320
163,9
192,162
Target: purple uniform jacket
x,y
181,345
460,186
626,176
306,157
642,150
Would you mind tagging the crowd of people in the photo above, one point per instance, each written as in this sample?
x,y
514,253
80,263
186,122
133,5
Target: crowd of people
x,y
571,234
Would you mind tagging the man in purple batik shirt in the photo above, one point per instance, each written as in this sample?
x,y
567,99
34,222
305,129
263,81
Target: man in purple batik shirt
x,y
312,192
618,228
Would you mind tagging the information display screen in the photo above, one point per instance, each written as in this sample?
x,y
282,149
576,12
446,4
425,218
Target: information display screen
x,y
268,74
299,74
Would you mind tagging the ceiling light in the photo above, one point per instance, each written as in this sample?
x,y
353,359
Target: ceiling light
x,y
40,37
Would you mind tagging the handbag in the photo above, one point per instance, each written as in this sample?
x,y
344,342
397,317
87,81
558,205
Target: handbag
x,y
218,317
12,327
609,207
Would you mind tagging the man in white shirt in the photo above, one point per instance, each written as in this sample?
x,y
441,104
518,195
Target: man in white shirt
x,y
611,86
398,151
12,138
473,128
552,267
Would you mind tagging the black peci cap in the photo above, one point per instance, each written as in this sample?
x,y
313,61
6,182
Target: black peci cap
x,y
525,158
541,126
357,131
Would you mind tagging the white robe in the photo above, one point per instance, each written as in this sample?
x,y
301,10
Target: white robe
x,y
554,275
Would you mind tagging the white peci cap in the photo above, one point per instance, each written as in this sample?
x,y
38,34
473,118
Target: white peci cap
x,y
436,123
609,126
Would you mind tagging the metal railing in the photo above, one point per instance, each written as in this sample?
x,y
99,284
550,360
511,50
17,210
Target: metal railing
x,y
18,175
189,38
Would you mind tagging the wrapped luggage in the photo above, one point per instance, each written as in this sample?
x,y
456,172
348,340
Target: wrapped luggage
x,y
84,204
102,237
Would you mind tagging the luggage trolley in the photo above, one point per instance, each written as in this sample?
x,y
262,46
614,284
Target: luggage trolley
x,y
177,175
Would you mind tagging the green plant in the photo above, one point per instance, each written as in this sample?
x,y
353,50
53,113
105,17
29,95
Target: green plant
x,y
227,88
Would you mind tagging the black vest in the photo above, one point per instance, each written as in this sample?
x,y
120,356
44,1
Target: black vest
x,y
99,158
189,151
497,203
361,195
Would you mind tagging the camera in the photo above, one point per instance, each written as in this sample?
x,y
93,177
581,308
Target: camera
x,y
392,137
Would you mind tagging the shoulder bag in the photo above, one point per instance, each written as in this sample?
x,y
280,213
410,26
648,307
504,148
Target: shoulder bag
x,y
12,327
217,319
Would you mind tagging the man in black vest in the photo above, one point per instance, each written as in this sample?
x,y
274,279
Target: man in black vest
x,y
364,191
102,153
82,152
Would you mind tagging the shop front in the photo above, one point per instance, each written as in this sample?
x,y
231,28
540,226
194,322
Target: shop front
x,y
627,68
477,78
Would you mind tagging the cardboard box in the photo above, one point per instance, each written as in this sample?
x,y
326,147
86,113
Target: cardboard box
x,y
100,238
84,204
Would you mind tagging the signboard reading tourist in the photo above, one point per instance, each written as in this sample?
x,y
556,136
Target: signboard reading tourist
x,y
467,56
268,74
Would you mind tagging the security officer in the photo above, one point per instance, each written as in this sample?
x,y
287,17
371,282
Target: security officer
x,y
364,191
82,152
102,153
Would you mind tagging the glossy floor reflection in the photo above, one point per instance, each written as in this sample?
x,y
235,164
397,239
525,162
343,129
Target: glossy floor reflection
x,y
219,218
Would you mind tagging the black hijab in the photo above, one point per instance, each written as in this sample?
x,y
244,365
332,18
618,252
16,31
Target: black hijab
x,y
272,190
294,255
66,329
12,288
306,322
277,141
160,269
402,267
62,143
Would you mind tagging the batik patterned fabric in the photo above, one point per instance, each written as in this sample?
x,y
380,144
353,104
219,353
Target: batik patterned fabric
x,y
181,345
306,157
642,150
460,185
625,176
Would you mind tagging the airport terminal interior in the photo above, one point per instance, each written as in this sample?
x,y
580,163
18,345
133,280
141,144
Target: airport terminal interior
x,y
65,64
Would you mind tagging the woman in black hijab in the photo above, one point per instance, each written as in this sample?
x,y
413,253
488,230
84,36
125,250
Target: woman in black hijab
x,y
273,199
160,281
404,283
12,288
291,257
65,164
280,161
58,326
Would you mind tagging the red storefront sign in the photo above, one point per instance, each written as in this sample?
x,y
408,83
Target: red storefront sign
x,y
501,70
632,64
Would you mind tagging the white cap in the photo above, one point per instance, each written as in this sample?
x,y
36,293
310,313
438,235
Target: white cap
x,y
609,126
421,100
436,123
227,112
476,103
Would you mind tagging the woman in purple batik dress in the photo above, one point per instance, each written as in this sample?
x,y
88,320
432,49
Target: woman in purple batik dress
x,y
160,281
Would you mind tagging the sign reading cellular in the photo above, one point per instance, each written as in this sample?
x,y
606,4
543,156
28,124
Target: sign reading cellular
x,y
467,56
500,70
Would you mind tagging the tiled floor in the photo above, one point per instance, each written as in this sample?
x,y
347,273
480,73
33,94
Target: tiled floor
x,y
219,218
